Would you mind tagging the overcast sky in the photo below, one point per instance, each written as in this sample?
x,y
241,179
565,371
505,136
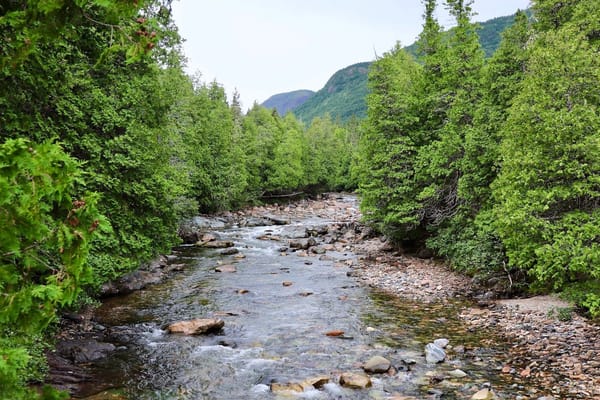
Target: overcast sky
x,y
265,47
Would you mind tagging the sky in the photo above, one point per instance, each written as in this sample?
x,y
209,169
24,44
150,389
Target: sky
x,y
264,47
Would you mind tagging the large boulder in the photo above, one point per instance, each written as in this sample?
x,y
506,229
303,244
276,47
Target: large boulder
x,y
84,350
197,326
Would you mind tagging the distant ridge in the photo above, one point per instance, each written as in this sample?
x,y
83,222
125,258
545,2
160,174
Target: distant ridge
x,y
284,102
344,95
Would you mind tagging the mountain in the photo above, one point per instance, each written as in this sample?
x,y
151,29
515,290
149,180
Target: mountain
x,y
284,102
345,92
343,96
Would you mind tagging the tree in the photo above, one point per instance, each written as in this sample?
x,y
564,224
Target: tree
x,y
47,225
548,191
471,243
389,143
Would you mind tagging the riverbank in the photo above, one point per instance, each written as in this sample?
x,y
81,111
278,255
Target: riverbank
x,y
551,345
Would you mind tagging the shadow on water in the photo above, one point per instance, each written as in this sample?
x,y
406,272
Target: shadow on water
x,y
276,333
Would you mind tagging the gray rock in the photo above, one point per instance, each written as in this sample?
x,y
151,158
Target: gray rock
x,y
230,251
377,365
302,244
434,354
457,373
216,244
226,268
84,351
277,220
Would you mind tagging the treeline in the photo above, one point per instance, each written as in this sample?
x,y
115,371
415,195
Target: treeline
x,y
106,145
493,164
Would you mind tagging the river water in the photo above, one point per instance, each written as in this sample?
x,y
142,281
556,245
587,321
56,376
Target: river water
x,y
276,333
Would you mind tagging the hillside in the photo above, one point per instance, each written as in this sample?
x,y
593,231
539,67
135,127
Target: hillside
x,y
343,96
284,102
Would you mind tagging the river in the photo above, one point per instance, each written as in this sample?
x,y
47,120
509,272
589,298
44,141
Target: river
x,y
277,307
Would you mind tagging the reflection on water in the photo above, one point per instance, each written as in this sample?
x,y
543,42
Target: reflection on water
x,y
276,333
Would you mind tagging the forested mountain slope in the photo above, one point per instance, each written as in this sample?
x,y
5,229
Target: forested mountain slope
x,y
343,96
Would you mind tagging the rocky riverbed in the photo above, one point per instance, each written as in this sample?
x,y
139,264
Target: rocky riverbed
x,y
552,352
552,345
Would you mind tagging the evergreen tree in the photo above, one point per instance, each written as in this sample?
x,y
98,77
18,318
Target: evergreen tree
x,y
456,91
470,242
389,143
548,191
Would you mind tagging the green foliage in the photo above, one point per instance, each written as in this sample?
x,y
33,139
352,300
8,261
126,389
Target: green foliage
x,y
342,97
45,238
548,190
389,143
29,25
112,116
495,164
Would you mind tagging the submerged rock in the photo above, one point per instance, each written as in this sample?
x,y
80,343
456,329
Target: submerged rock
x,y
84,350
196,326
226,268
229,252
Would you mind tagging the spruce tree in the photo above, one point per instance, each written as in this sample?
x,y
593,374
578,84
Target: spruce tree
x,y
548,191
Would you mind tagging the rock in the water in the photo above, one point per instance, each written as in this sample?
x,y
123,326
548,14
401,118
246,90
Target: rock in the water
x,y
226,268
441,343
315,383
457,373
377,365
84,351
484,394
277,220
302,244
229,252
196,326
215,244
434,354
286,387
355,381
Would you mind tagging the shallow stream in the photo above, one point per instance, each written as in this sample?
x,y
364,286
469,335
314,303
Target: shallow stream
x,y
276,333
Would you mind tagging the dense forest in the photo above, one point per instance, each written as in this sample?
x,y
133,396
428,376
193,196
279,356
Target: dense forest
x,y
106,145
493,164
